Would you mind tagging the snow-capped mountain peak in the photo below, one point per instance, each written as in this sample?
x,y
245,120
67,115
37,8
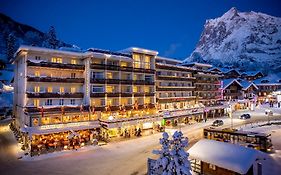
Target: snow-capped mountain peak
x,y
243,40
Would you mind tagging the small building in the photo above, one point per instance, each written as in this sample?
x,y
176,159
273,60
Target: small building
x,y
214,157
232,89
250,89
252,75
231,73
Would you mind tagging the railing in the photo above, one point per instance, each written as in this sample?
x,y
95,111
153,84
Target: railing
x,y
54,95
174,99
56,109
174,88
55,79
56,65
208,81
121,68
172,78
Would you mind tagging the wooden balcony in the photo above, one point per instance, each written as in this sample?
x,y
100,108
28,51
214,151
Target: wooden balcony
x,y
103,94
174,88
174,99
54,95
55,79
56,109
56,65
121,68
126,94
172,78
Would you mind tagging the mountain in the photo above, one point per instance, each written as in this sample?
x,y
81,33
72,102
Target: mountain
x,y
24,34
241,40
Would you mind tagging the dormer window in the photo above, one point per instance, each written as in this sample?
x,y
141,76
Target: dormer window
x,y
73,61
56,60
37,58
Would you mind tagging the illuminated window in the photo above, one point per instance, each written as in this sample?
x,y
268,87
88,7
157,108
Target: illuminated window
x,y
146,89
50,89
213,167
136,57
36,89
124,64
35,122
109,89
109,102
147,59
37,74
61,89
36,102
56,60
135,89
109,75
73,61
72,89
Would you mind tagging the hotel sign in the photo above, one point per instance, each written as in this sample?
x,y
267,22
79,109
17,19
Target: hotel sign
x,y
57,126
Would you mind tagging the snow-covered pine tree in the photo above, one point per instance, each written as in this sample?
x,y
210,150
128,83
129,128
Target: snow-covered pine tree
x,y
52,41
11,46
173,158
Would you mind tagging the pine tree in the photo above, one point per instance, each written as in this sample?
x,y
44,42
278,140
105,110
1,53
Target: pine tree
x,y
173,158
11,46
52,41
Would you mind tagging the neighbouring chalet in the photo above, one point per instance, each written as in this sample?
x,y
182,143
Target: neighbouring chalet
x,y
249,89
252,75
232,89
228,73
220,158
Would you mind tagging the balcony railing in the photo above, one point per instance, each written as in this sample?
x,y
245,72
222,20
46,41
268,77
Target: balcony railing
x,y
207,82
174,99
174,88
172,78
121,68
56,65
57,109
55,79
54,95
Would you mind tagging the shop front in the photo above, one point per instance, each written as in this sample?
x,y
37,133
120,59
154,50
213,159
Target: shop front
x,y
186,116
130,127
214,111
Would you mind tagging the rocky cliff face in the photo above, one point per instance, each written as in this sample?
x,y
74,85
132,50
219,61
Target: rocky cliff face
x,y
242,40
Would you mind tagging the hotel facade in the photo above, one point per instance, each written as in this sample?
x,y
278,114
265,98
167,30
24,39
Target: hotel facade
x,y
67,99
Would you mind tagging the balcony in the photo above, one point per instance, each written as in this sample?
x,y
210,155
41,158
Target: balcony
x,y
173,78
57,109
126,94
138,94
54,95
55,79
56,65
174,88
121,68
149,94
97,94
126,81
216,82
98,81
175,99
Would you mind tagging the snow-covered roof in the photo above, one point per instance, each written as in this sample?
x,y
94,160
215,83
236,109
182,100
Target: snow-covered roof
x,y
168,59
228,82
139,50
246,84
271,79
197,64
176,66
252,73
225,155
48,50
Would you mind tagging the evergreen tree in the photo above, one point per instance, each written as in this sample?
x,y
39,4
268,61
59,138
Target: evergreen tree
x,y
11,46
173,158
52,41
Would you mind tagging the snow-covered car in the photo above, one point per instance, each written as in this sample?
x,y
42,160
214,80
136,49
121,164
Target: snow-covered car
x,y
245,116
217,123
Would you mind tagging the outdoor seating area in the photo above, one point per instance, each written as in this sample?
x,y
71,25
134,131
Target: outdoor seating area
x,y
42,144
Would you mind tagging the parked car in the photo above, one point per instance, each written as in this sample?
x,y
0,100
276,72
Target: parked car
x,y
245,116
217,123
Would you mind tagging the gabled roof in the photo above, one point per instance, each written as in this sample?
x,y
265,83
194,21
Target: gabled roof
x,y
196,64
252,73
271,79
225,155
246,84
139,50
228,82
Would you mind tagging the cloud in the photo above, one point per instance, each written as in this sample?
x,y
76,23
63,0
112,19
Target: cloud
x,y
172,49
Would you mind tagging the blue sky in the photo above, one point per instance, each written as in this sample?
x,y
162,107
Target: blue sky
x,y
172,27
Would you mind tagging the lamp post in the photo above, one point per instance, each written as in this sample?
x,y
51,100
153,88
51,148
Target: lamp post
x,y
230,115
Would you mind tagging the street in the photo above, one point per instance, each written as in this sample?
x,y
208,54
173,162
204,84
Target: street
x,y
124,157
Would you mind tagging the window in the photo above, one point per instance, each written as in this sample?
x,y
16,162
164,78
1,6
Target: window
x,y
73,75
72,89
49,102
73,61
97,75
56,60
37,74
37,57
72,101
50,89
213,167
61,89
36,102
109,89
36,89
109,75
61,102
124,64
97,89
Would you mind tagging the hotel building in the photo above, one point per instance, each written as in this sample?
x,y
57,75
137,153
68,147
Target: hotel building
x,y
175,92
66,99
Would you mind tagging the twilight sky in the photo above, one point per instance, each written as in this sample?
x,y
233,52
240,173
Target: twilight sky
x,y
172,27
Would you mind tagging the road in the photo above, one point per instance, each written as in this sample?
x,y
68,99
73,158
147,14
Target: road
x,y
124,157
